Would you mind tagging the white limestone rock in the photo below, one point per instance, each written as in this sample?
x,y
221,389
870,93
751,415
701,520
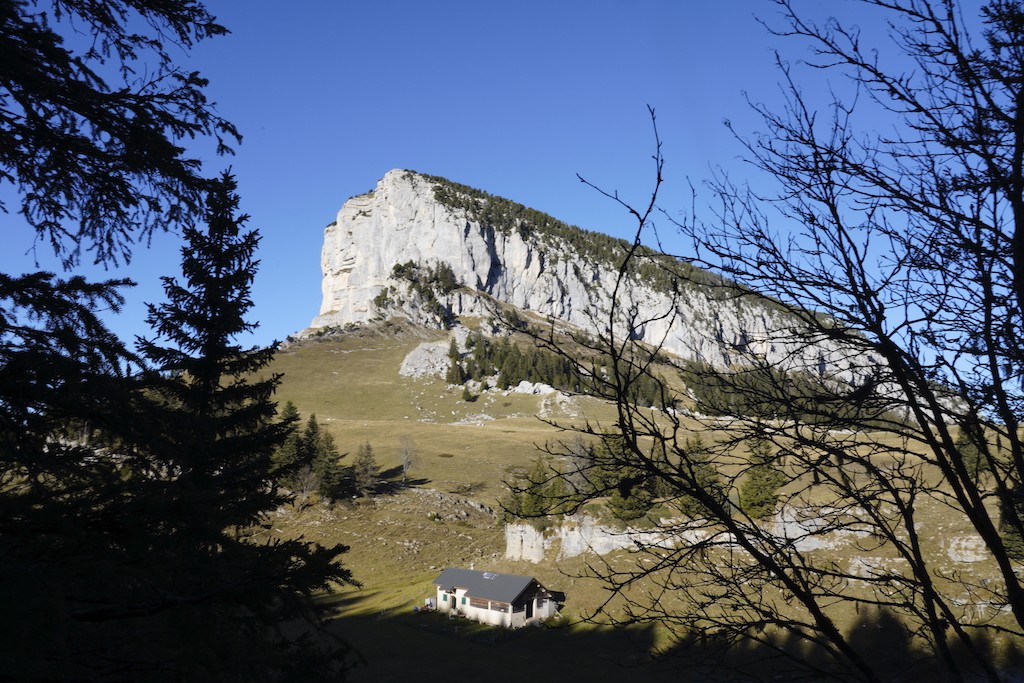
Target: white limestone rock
x,y
967,549
523,542
526,387
429,359
583,535
402,221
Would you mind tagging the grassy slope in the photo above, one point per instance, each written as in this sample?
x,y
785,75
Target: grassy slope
x,y
400,541
353,386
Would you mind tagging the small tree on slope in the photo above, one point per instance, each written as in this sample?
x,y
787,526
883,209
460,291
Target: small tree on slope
x,y
365,471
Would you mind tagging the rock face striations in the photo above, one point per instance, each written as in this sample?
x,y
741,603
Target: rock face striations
x,y
430,250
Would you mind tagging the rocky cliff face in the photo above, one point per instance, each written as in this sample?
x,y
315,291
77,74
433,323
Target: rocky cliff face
x,y
582,534
452,244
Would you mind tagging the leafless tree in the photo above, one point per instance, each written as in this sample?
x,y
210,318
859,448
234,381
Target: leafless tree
x,y
902,254
305,485
407,454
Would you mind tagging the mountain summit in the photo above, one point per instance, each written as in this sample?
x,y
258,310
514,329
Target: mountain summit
x,y
430,250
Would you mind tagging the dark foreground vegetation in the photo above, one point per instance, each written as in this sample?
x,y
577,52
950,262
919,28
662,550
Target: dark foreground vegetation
x,y
133,482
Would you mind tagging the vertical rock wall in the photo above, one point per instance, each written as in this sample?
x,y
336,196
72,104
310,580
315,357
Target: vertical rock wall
x,y
402,221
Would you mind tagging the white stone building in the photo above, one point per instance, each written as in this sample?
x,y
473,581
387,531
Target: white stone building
x,y
498,599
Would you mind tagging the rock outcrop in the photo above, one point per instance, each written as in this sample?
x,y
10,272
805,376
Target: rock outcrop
x,y
431,251
581,535
807,529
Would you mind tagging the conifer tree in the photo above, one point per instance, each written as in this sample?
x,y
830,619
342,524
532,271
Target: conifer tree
x,y
218,424
320,454
455,375
759,492
706,480
365,471
208,428
308,460
630,502
286,458
96,108
62,380
535,502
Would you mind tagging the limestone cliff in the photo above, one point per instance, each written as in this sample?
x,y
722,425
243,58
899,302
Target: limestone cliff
x,y
426,249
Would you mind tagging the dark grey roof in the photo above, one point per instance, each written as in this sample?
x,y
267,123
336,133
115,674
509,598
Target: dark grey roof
x,y
484,585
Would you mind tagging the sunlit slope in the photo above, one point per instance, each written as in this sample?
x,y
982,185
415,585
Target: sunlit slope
x,y
351,382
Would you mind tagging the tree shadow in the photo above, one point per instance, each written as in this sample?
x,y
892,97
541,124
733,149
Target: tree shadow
x,y
411,644
429,647
391,481
878,636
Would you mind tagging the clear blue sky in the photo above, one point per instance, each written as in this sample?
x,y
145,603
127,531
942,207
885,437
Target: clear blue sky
x,y
514,98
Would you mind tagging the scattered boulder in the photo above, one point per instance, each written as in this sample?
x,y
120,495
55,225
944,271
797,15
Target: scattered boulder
x,y
967,549
429,359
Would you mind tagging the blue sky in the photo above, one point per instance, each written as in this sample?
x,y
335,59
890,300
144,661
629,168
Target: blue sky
x,y
514,98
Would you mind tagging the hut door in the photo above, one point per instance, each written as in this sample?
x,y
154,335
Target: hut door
x,y
529,608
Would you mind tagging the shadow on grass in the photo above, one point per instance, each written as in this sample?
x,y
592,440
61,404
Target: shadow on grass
x,y
878,637
403,645
428,647
391,481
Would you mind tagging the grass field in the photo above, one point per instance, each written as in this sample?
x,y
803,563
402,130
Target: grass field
x,y
401,540
353,386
